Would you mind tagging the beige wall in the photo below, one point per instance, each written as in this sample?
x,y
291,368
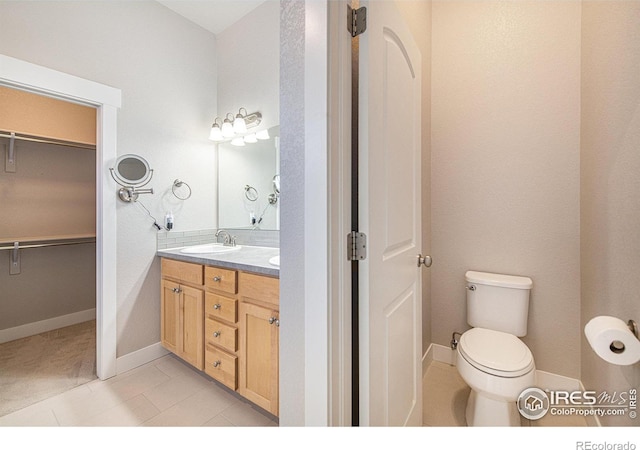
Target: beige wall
x,y
506,164
417,14
610,217
37,115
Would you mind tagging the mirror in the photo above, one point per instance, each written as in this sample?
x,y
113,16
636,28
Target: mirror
x,y
249,184
131,170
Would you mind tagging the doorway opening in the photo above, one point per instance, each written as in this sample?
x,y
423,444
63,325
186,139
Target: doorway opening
x,y
47,230
106,100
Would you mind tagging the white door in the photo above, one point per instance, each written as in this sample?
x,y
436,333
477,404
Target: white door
x,y
389,213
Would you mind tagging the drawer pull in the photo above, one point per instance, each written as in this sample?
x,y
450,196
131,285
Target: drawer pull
x,y
217,306
217,363
217,279
216,334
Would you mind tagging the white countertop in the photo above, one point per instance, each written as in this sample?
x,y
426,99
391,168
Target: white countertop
x,y
248,259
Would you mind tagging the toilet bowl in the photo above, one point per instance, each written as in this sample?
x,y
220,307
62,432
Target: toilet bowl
x,y
497,366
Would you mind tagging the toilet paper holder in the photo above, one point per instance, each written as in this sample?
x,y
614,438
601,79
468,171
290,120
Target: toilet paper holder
x,y
633,327
618,346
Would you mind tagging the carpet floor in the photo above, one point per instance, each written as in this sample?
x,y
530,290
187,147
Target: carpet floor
x,y
38,367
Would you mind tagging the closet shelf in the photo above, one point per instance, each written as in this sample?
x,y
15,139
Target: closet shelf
x,y
45,140
46,241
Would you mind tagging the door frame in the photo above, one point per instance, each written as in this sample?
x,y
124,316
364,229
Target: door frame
x,y
15,73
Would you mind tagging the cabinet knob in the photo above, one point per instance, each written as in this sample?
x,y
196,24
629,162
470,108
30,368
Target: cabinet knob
x,y
177,290
217,279
217,363
216,334
277,322
217,306
271,320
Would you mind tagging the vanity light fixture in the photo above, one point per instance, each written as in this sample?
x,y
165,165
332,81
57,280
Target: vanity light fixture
x,y
233,127
216,132
239,125
227,127
262,135
251,138
238,142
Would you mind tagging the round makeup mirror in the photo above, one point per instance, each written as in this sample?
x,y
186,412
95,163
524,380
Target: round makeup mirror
x,y
132,170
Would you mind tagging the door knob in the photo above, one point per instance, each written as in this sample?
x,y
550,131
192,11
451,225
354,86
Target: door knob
x,y
426,260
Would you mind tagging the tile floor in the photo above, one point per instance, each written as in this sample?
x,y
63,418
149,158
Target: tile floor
x,y
169,393
163,393
445,393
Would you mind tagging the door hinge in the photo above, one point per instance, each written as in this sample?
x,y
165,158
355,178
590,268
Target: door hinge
x,y
357,20
356,246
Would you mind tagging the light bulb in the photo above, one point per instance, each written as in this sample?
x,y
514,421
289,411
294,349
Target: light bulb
x,y
227,129
216,133
262,134
251,138
239,125
238,142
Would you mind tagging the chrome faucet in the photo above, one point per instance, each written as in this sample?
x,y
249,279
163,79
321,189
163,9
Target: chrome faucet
x,y
229,240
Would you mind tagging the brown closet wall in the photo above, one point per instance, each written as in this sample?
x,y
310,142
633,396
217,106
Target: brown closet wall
x,y
37,115
51,193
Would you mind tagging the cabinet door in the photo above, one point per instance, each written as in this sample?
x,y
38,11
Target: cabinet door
x,y
169,315
258,377
191,336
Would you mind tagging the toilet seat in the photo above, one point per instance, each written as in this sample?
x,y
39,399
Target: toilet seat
x,y
496,353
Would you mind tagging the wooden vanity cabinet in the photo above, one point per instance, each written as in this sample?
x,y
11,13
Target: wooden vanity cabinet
x,y
221,332
259,324
182,311
226,323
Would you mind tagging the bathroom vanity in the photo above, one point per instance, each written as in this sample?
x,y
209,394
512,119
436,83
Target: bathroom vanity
x,y
220,313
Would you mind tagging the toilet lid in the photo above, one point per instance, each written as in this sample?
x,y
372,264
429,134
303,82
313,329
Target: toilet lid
x,y
495,352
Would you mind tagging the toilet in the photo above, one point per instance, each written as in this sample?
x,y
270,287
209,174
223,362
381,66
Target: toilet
x,y
490,357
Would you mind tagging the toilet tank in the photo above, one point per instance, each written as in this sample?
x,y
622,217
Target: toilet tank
x,y
498,302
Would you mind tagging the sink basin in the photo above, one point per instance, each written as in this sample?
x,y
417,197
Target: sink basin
x,y
275,261
210,248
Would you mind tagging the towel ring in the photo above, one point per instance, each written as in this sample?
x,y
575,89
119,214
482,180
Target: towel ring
x,y
178,184
250,193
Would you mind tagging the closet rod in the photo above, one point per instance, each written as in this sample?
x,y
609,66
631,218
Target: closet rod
x,y
52,243
26,137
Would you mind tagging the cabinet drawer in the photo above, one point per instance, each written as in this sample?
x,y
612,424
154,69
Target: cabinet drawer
x,y
221,279
183,271
222,335
218,306
258,287
221,366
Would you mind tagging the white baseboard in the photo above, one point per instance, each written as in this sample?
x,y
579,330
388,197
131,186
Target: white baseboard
x,y
140,357
31,329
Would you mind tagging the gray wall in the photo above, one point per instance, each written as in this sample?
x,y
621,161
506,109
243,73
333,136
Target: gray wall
x,y
506,164
610,210
166,69
292,142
